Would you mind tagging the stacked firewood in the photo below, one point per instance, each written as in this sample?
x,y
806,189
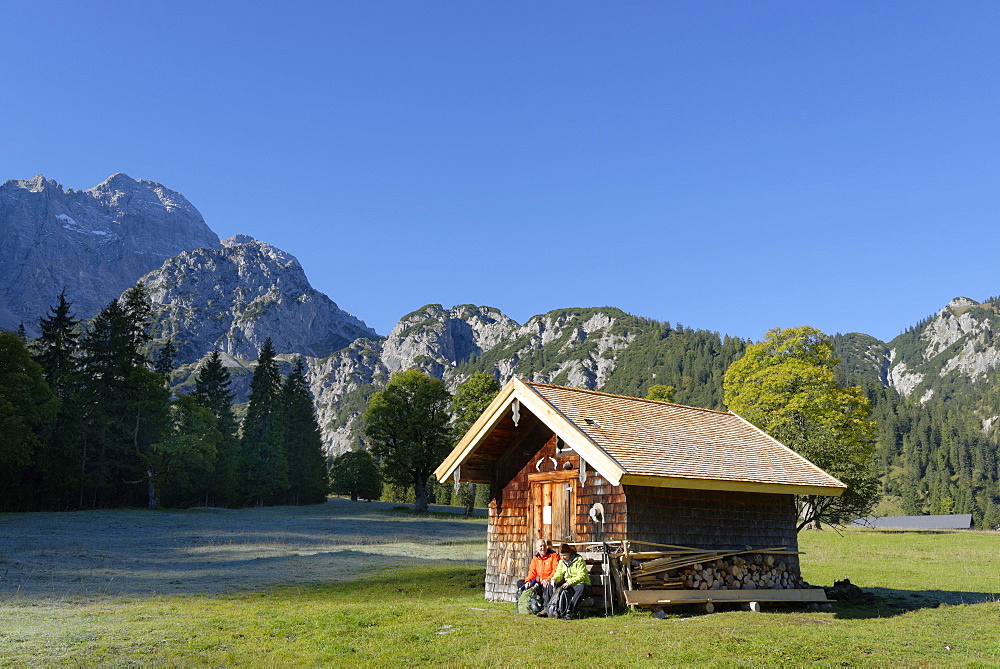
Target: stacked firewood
x,y
759,572
696,569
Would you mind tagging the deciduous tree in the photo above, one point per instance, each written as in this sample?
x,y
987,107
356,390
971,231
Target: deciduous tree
x,y
184,456
661,393
27,408
786,386
355,473
407,425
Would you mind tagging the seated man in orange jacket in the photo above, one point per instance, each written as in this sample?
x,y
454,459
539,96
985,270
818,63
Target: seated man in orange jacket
x,y
543,566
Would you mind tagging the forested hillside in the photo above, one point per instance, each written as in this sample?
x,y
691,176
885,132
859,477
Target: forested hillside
x,y
87,420
937,445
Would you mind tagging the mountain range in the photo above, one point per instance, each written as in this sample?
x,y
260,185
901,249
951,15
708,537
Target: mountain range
x,y
231,295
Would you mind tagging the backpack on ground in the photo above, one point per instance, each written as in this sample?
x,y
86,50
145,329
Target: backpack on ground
x,y
528,601
561,604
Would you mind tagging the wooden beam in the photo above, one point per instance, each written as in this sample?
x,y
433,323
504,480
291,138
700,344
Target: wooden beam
x,y
570,433
661,597
475,476
486,422
529,426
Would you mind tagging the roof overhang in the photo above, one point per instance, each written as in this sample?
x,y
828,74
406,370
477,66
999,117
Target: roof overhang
x,y
515,389
735,486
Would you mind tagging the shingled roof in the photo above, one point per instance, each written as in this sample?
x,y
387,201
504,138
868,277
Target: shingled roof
x,y
636,441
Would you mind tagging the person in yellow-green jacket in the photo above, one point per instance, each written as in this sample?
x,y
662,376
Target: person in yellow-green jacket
x,y
571,579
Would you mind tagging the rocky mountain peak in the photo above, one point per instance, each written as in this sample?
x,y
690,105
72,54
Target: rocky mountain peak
x,y
958,303
250,248
235,297
120,190
96,242
238,239
434,339
958,340
955,321
35,184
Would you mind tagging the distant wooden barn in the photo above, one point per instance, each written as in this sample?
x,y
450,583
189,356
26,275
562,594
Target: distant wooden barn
x,y
585,467
953,521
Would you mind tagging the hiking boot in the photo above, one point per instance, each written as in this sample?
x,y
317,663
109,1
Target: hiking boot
x,y
567,617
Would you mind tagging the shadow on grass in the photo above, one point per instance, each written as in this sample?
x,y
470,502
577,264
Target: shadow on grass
x,y
892,602
429,582
456,514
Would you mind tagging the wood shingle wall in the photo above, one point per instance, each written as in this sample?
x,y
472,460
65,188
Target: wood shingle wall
x,y
712,519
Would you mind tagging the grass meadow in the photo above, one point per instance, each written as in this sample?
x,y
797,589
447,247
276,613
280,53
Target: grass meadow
x,y
939,607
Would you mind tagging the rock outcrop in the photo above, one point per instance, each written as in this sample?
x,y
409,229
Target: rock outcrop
x,y
572,346
959,345
233,298
95,243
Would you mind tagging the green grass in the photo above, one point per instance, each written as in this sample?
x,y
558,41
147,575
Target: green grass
x,y
436,615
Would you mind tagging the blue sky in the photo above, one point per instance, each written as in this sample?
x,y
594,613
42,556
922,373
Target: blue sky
x,y
730,166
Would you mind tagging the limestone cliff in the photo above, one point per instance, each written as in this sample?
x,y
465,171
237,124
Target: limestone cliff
x,y
235,297
95,243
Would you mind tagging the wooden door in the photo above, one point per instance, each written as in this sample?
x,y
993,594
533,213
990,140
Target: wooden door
x,y
553,507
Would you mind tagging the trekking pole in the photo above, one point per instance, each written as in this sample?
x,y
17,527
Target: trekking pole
x,y
606,568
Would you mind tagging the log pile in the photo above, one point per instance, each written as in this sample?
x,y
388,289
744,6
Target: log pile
x,y
680,568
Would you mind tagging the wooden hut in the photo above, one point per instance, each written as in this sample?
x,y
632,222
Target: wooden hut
x,y
648,478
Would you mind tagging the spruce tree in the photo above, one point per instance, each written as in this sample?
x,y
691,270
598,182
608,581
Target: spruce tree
x,y
307,474
212,391
105,371
125,402
137,311
265,471
56,347
163,363
58,463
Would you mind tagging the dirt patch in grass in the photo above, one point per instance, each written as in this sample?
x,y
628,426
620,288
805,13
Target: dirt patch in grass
x,y
103,554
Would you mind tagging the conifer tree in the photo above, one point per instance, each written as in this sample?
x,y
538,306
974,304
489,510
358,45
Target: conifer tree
x,y
56,346
163,363
137,311
125,403
212,391
307,474
58,461
265,471
104,376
